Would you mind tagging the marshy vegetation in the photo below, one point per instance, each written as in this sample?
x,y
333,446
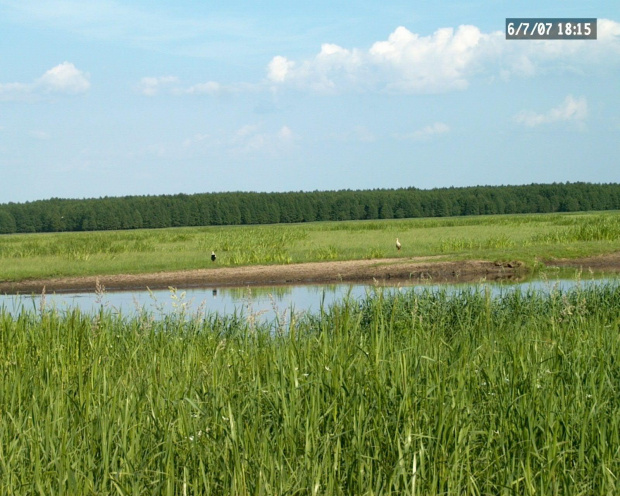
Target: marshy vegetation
x,y
528,238
407,393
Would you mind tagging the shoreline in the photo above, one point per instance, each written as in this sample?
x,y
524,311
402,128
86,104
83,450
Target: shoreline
x,y
382,270
394,269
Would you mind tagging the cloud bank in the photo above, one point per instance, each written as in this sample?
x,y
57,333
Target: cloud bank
x,y
446,60
409,63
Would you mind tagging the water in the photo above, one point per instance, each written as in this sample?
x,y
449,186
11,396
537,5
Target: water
x,y
264,303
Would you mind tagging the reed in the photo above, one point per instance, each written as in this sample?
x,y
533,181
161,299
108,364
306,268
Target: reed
x,y
598,228
409,393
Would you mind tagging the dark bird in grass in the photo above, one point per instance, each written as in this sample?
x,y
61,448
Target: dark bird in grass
x,y
398,245
213,257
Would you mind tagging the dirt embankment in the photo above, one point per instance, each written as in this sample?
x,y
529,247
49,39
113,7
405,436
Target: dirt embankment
x,y
405,269
382,270
602,263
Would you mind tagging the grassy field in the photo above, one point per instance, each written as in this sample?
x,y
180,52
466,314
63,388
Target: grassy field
x,y
418,394
509,237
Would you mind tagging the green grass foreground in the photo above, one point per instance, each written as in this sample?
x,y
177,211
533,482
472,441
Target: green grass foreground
x,y
427,393
527,238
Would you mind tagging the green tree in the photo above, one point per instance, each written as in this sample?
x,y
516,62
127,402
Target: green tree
x,y
7,223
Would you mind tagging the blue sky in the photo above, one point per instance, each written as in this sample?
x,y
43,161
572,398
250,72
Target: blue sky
x,y
110,98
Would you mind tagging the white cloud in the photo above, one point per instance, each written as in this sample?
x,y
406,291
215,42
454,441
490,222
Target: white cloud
x,y
427,132
405,62
531,58
332,68
14,91
440,62
213,88
279,68
570,109
209,88
446,60
64,78
151,86
608,31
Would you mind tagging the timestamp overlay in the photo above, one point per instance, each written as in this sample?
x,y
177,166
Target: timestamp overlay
x,y
527,28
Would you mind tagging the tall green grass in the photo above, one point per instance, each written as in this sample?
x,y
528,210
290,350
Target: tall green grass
x,y
413,393
598,228
509,237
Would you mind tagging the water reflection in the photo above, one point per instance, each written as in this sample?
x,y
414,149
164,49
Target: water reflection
x,y
269,303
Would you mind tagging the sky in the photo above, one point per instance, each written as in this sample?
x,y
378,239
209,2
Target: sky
x,y
113,98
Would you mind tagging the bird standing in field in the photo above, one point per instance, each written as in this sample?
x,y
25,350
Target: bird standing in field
x,y
213,257
398,245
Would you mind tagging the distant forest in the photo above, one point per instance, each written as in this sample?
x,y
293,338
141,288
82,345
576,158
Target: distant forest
x,y
215,209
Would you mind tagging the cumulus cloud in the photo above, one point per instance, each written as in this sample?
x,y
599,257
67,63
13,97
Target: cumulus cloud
x,y
64,78
608,32
405,62
446,60
332,68
440,62
279,68
528,59
571,109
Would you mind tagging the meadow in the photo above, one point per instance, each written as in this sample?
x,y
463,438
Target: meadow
x,y
528,238
409,393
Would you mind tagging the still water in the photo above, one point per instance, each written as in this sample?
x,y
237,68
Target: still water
x,y
264,303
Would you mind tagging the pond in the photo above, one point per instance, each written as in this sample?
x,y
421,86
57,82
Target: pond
x,y
264,303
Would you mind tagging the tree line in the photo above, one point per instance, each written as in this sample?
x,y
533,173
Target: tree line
x,y
235,208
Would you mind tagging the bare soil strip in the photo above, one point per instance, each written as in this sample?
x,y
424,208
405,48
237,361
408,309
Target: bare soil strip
x,y
382,270
609,262
405,269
